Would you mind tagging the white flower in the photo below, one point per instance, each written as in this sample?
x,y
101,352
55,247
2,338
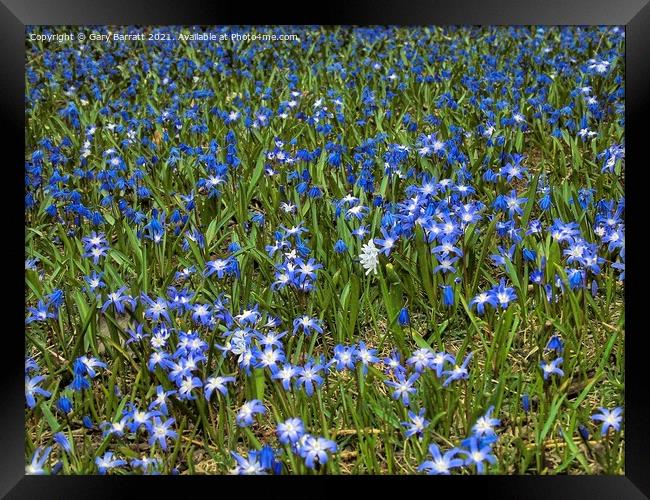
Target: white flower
x,y
369,257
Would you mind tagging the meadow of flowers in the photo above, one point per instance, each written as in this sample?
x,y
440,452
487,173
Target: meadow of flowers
x,y
369,250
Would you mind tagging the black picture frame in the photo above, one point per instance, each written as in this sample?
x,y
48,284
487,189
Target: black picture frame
x,y
633,14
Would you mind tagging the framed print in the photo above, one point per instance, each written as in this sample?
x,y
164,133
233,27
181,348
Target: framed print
x,y
390,244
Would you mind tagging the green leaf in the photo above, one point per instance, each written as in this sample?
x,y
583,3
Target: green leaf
x,y
555,407
575,452
51,420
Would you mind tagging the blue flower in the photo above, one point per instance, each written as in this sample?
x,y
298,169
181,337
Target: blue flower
x,y
201,314
529,255
340,246
416,425
40,313
482,299
79,379
307,270
286,375
118,300
513,170
139,418
438,361
307,324
249,316
31,365
458,372
610,419
513,204
269,358
39,458
503,294
403,386
218,384
290,431
250,466
484,426
159,358
360,232
441,464
88,365
344,357
115,428
32,389
221,267
63,442
184,273
536,277
96,253
267,458
445,265
95,281
446,248
314,450
146,464
403,317
107,462
160,431
358,212
448,297
94,240
271,338
55,299
552,368
308,376
477,454
186,385
161,399
421,359
366,355
64,404
156,309
136,335
387,243
555,344
31,265
248,410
